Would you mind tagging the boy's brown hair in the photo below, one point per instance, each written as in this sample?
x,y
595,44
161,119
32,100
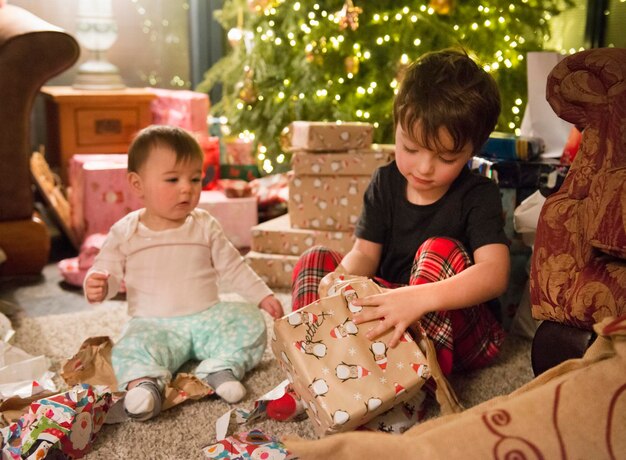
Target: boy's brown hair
x,y
447,89
180,141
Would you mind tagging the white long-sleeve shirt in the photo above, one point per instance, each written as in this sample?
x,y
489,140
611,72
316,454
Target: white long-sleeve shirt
x,y
174,272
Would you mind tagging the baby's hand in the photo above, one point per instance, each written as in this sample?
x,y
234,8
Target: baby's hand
x,y
272,305
96,287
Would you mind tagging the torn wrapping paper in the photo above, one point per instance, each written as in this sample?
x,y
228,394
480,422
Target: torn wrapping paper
x,y
258,412
23,375
252,444
344,379
67,423
92,365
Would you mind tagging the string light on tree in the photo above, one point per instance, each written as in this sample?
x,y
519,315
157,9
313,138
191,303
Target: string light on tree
x,y
347,64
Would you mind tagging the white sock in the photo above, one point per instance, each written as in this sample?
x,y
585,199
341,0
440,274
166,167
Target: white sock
x,y
143,401
231,391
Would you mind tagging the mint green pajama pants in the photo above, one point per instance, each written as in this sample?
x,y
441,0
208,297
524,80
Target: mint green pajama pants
x,y
228,335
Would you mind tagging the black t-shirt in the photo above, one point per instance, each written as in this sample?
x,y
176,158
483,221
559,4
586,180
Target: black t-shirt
x,y
470,212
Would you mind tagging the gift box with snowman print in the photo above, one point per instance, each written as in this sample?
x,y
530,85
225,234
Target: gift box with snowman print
x,y
344,379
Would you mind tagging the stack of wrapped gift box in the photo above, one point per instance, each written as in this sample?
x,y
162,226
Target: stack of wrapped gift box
x,y
332,166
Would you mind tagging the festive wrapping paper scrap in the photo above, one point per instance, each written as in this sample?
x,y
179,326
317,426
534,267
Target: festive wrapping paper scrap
x,y
274,269
353,163
236,215
277,236
344,379
182,108
259,411
322,136
326,202
92,365
66,422
99,193
254,445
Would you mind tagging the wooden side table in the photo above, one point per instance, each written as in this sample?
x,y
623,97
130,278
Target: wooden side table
x,y
84,121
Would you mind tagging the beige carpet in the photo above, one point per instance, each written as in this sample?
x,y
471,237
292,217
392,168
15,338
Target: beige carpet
x,y
181,432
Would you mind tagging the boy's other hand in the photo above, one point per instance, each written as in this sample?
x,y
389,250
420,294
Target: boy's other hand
x,y
272,305
96,287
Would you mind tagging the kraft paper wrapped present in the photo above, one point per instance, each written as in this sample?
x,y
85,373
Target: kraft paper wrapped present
x,y
99,193
326,202
66,423
277,236
323,136
353,163
183,108
344,379
274,269
237,216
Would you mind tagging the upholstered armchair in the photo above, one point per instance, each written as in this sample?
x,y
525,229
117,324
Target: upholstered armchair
x,y
578,267
31,52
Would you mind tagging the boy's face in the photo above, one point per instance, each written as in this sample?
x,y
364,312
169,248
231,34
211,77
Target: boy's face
x,y
429,173
170,190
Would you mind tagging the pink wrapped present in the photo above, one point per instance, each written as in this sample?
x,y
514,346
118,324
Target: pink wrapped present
x,y
99,193
239,151
183,108
237,216
74,269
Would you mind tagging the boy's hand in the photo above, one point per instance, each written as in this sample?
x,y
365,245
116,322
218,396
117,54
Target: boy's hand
x,y
391,312
96,287
272,305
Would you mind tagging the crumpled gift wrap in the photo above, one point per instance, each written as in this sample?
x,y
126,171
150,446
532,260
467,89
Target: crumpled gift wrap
x,y
67,423
252,444
92,364
344,379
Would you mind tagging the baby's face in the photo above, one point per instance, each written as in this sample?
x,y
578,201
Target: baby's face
x,y
170,190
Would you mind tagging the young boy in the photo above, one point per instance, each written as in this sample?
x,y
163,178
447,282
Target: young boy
x,y
430,228
171,256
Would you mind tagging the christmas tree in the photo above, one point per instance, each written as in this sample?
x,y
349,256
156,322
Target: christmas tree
x,y
330,60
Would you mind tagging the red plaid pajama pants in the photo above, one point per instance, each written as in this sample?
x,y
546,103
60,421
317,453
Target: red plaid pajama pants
x,y
465,339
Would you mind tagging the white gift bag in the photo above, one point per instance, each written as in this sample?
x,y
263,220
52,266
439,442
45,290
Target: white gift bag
x,y
539,119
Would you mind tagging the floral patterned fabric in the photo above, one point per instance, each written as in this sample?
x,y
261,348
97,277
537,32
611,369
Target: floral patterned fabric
x,y
578,269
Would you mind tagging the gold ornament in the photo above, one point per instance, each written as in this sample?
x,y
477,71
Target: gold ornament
x,y
248,93
352,65
349,16
258,5
442,7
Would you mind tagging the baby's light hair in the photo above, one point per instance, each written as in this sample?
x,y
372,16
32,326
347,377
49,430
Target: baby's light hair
x,y
180,141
